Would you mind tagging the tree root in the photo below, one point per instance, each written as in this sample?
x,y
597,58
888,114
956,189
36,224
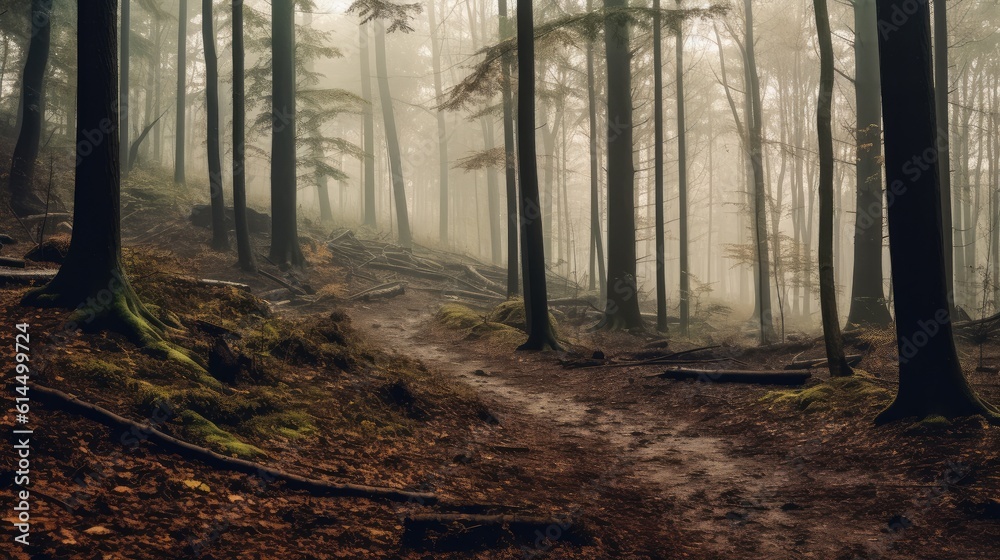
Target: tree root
x,y
139,432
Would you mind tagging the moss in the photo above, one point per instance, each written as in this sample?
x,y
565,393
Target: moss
x,y
206,432
458,317
836,393
497,333
511,313
101,373
291,425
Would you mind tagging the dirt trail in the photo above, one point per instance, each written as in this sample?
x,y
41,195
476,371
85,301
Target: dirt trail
x,y
727,503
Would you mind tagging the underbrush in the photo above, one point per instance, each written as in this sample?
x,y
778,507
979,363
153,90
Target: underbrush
x,y
306,380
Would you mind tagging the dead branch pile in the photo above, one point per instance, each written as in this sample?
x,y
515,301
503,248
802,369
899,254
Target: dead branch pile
x,y
425,269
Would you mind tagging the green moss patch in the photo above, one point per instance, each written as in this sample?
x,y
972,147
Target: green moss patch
x,y
842,393
207,433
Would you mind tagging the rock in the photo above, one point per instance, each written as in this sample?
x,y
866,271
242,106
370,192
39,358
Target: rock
x,y
6,239
598,355
53,250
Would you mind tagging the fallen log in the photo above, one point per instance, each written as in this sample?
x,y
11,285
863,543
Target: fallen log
x,y
137,431
852,360
42,217
28,276
383,291
295,290
458,531
737,376
11,262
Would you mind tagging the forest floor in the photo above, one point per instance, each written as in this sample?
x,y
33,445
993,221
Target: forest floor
x,y
417,392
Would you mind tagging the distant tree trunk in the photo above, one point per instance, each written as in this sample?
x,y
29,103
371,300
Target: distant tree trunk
x,y
392,139
182,16
867,297
682,186
369,128
941,85
442,132
536,301
661,262
824,127
247,260
157,82
597,240
123,98
23,199
284,227
91,280
510,169
930,375
220,233
755,124
622,311
492,196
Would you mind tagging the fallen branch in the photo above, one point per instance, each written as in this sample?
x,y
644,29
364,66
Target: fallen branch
x,y
383,291
295,290
69,403
29,276
11,262
737,376
852,360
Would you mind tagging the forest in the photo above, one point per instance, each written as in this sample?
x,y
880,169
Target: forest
x,y
582,279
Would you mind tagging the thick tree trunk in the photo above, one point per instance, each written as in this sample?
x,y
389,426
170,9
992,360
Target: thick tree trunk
x,y
182,15
220,233
492,197
930,375
867,297
91,280
23,199
284,227
123,97
369,128
510,169
536,306
622,311
824,128
442,131
244,248
392,139
682,187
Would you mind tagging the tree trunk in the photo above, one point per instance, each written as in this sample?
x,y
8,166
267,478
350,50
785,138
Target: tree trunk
x,y
941,85
91,280
220,233
369,128
244,248
284,228
661,261
824,127
442,132
867,297
536,306
755,124
392,139
685,280
930,375
182,15
123,90
622,311
510,169
23,200
597,240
